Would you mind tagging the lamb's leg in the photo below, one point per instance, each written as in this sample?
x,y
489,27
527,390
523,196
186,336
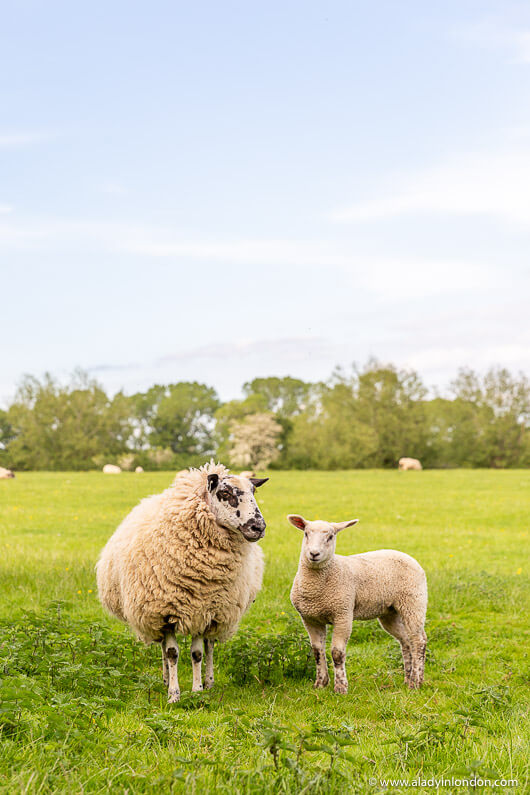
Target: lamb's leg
x,y
317,636
165,667
171,651
197,647
208,663
418,645
393,624
340,637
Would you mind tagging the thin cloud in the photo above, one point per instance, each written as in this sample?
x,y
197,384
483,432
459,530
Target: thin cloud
x,y
387,277
20,139
492,34
490,184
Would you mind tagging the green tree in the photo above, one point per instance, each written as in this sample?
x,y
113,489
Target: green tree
x,y
285,397
64,427
181,418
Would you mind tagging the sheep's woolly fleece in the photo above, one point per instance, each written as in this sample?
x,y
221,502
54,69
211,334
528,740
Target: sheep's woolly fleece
x,y
170,563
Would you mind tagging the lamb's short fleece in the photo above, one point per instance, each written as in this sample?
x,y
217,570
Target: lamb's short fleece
x,y
334,589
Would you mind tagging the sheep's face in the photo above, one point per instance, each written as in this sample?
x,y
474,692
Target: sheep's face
x,y
234,506
318,545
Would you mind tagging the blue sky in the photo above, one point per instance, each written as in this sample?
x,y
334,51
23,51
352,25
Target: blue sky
x,y
216,191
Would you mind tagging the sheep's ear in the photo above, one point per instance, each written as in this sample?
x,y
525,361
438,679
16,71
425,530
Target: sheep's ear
x,y
297,521
213,482
338,526
257,482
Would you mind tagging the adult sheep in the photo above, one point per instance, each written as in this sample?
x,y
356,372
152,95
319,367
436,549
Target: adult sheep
x,y
111,469
183,563
409,463
6,473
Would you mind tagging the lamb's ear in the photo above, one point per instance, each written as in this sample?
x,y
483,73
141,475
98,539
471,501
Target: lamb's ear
x,y
213,482
343,525
257,482
297,521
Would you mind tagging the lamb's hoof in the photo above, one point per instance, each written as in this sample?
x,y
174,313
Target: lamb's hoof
x,y
173,697
197,689
341,687
208,684
321,683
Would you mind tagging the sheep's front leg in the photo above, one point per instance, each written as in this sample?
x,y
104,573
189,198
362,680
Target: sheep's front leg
x,y
197,647
165,666
171,651
317,636
208,662
341,634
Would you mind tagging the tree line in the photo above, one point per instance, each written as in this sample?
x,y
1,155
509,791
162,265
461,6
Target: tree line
x,y
368,417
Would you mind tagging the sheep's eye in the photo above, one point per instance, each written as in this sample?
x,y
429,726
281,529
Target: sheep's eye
x,y
305,535
330,537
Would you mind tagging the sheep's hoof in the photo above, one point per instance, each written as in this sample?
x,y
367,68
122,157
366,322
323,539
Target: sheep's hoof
x,y
208,684
321,683
173,697
341,687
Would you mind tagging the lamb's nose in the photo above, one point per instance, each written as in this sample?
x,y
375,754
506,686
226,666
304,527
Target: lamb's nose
x,y
314,555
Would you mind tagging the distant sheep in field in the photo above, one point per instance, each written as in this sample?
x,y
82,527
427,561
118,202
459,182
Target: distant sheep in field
x,y
5,474
183,563
335,589
111,469
246,474
409,463
139,469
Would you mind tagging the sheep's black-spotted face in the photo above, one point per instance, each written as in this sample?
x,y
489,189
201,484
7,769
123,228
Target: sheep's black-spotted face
x,y
234,506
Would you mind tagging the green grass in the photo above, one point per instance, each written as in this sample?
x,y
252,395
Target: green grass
x,y
83,708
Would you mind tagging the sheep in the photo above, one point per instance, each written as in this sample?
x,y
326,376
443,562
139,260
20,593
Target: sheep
x,y
111,469
139,470
333,589
5,474
246,474
409,463
184,563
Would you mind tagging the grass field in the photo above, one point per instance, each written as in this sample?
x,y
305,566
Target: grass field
x,y
83,708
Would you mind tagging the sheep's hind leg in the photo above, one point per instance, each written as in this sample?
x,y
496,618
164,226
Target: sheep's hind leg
x,y
208,663
393,624
197,647
317,636
171,651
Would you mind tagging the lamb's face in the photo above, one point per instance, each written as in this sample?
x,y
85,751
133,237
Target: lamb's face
x,y
318,545
233,504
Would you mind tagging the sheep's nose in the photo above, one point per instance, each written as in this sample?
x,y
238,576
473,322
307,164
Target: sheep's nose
x,y
314,555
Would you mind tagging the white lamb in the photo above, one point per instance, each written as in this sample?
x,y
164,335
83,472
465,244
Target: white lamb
x,y
6,474
111,469
333,589
182,563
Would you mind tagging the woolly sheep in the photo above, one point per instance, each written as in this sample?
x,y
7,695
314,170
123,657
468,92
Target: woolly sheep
x,y
139,470
333,589
6,473
409,463
183,563
246,474
111,469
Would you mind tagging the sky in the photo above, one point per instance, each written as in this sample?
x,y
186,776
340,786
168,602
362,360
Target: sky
x,y
215,191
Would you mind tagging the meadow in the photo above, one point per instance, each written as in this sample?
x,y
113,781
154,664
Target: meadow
x,y
83,707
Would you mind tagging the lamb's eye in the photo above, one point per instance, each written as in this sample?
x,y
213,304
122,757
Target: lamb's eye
x,y
330,537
